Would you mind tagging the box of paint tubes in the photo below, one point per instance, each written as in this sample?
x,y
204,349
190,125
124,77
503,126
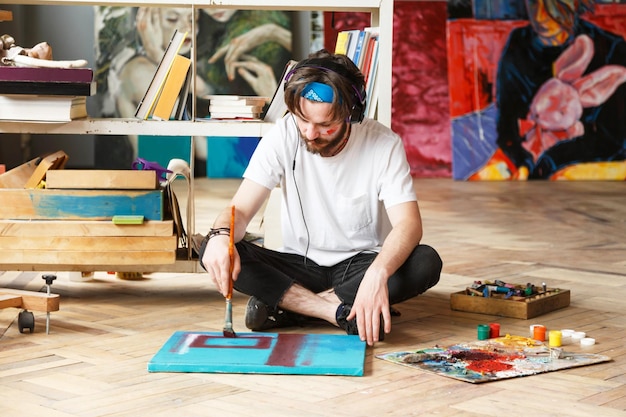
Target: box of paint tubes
x,y
509,300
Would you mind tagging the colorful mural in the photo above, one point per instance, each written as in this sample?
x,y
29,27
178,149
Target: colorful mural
x,y
542,97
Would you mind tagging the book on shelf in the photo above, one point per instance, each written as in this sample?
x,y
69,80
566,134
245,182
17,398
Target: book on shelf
x,y
229,115
343,40
146,105
277,107
371,49
360,48
236,100
370,71
174,82
242,108
24,107
183,102
354,35
235,106
41,74
48,88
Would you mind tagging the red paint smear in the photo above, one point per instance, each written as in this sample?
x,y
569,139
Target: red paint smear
x,y
286,350
485,362
487,367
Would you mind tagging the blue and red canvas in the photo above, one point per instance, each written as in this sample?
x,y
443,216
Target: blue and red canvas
x,y
261,353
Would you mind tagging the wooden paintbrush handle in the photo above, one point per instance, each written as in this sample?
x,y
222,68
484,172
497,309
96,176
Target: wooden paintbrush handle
x,y
231,252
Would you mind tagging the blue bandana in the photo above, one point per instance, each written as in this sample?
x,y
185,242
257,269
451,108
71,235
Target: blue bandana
x,y
322,93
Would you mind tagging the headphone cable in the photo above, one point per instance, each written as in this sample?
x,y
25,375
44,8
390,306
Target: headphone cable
x,y
295,183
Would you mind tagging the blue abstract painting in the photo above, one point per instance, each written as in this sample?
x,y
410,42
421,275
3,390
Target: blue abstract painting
x,y
261,353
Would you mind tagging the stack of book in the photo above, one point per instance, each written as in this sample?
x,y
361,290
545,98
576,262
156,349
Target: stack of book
x,y
361,46
166,96
45,94
236,107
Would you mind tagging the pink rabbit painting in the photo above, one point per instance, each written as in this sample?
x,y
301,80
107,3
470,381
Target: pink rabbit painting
x,y
557,107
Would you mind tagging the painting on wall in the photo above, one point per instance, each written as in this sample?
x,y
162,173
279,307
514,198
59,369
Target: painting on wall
x,y
239,52
540,96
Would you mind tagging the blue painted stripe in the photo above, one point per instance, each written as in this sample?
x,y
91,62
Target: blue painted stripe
x,y
47,205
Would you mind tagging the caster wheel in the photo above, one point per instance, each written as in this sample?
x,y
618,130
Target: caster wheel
x,y
26,320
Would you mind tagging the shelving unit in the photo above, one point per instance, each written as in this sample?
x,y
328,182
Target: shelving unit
x,y
381,15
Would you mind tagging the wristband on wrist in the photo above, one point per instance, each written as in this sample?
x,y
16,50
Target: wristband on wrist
x,y
219,231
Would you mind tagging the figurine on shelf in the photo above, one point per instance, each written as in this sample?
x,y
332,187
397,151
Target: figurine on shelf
x,y
39,55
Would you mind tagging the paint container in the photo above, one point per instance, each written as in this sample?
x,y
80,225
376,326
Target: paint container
x,y
554,338
532,329
587,341
566,336
539,332
578,336
494,330
483,331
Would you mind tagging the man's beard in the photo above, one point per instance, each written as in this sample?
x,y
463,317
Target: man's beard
x,y
327,146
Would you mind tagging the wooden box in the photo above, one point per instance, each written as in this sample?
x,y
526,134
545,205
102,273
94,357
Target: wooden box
x,y
519,308
80,204
85,245
98,179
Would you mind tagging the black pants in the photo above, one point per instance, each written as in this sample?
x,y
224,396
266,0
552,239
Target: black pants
x,y
268,274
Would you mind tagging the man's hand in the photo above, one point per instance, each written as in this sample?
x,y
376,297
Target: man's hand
x,y
216,261
371,303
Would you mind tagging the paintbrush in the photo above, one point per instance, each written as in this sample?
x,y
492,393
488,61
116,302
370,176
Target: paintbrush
x,y
228,320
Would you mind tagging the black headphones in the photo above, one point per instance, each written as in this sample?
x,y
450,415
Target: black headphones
x,y
358,97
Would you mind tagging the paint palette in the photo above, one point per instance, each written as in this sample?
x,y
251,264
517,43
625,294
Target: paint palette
x,y
261,353
491,360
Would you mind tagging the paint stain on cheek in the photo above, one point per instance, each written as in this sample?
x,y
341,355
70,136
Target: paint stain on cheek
x,y
331,131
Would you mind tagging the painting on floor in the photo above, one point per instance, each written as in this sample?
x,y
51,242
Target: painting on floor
x,y
538,92
261,353
492,360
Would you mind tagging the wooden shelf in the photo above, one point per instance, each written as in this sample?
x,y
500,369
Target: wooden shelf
x,y
179,266
94,126
381,15
381,11
346,5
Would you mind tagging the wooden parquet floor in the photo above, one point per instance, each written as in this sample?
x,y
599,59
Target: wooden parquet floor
x,y
569,235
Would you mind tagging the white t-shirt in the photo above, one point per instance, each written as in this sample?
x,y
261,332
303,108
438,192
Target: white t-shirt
x,y
334,207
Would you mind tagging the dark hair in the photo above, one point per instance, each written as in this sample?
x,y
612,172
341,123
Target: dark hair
x,y
565,12
335,70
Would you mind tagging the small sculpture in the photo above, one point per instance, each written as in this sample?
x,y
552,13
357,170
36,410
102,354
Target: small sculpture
x,y
39,55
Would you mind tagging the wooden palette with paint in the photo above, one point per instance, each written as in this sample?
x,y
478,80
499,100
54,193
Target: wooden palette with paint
x,y
492,360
